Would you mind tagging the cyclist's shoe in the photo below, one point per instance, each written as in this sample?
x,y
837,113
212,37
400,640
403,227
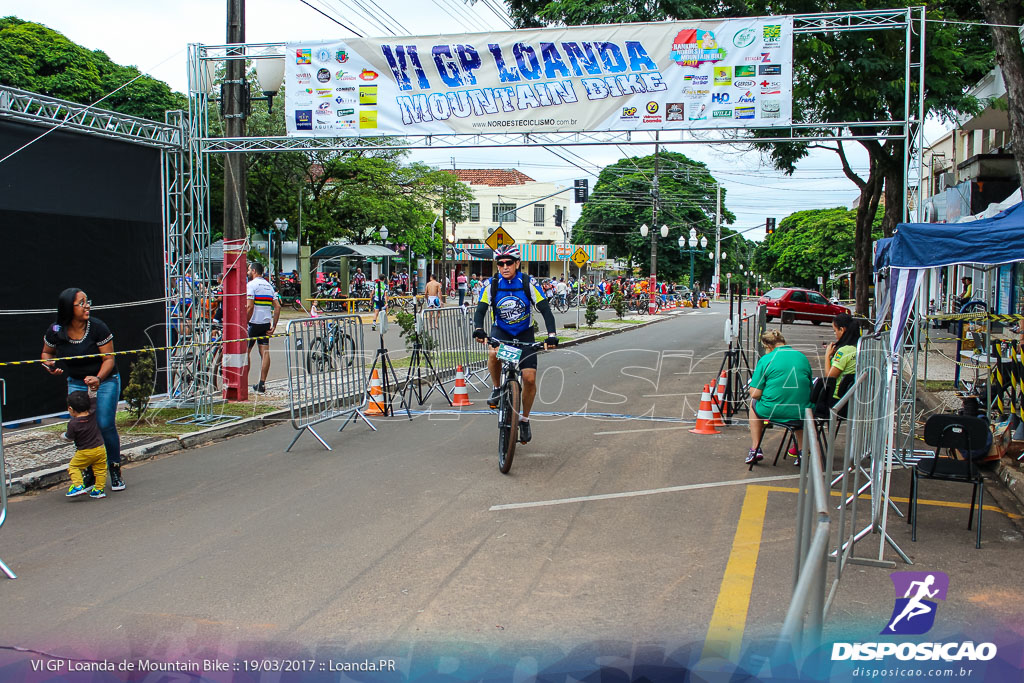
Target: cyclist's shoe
x,y
97,493
492,400
116,482
524,432
259,388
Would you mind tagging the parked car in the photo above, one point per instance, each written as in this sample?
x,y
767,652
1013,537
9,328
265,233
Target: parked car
x,y
797,303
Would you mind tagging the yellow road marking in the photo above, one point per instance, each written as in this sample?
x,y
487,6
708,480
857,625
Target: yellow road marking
x,y
728,621
725,632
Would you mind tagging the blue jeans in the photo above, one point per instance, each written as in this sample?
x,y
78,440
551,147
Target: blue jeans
x,y
106,408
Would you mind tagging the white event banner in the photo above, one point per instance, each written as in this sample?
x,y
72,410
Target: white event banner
x,y
731,73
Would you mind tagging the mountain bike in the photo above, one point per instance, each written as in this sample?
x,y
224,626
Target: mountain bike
x,y
331,350
510,354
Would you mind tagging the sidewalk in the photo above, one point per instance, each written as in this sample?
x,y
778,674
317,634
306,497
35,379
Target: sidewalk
x,y
37,457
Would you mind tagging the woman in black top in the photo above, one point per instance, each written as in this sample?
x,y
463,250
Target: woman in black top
x,y
76,333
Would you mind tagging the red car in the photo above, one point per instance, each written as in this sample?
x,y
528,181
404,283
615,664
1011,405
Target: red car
x,y
797,303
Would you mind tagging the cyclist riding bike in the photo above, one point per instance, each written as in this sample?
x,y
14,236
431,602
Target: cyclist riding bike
x,y
512,295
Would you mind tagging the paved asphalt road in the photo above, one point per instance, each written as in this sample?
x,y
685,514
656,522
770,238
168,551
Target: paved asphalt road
x,y
608,537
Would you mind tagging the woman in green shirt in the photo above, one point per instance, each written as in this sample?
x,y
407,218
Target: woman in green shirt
x,y
780,387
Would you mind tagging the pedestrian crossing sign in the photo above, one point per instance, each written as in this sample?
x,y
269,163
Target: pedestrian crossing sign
x,y
580,257
499,238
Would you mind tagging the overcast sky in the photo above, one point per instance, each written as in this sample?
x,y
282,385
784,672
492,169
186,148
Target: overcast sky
x,y
153,34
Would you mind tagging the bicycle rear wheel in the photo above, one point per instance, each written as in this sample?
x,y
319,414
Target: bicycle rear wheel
x,y
508,424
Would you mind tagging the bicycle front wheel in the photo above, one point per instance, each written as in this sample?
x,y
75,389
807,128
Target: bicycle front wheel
x,y
508,424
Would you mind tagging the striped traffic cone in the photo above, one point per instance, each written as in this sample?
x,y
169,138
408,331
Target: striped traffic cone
x,y
705,418
716,412
460,397
375,406
723,381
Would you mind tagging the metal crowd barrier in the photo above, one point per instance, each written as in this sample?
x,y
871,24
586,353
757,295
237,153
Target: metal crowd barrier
x,y
326,372
4,483
446,337
801,630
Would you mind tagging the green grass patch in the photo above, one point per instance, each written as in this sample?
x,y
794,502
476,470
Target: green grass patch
x,y
155,422
938,385
625,321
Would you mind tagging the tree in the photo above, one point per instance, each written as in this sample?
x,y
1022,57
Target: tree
x,y
839,76
810,244
622,200
1004,17
39,59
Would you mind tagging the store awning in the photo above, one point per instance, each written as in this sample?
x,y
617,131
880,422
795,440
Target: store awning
x,y
336,250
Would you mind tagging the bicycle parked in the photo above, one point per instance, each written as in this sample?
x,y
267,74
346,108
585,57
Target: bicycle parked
x,y
334,349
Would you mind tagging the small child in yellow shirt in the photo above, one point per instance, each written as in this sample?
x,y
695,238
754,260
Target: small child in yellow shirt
x,y
84,430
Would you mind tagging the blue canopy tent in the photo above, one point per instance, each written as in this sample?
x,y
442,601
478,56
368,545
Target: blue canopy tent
x,y
916,247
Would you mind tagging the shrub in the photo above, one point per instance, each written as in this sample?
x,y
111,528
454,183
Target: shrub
x,y
140,385
591,315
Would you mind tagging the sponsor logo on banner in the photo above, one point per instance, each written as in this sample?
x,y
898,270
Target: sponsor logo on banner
x,y
368,75
346,112
769,70
303,56
368,119
303,103
303,119
629,113
744,37
324,109
723,75
744,83
346,88
771,109
323,75
913,614
721,113
341,56
346,123
368,96
652,107
747,97
744,72
674,111
345,100
770,87
720,98
343,75
303,78
306,91
700,114
324,92
695,94
772,33
693,47
748,58
652,119
744,112
323,55
696,79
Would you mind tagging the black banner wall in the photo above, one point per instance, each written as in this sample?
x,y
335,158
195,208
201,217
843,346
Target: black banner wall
x,y
75,211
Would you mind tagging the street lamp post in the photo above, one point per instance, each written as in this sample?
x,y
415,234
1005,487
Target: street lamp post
x,y
282,227
652,304
383,232
684,247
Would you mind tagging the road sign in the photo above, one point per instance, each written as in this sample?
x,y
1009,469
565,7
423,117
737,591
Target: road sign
x,y
499,238
580,257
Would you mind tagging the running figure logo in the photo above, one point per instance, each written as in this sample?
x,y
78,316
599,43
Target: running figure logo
x,y
914,612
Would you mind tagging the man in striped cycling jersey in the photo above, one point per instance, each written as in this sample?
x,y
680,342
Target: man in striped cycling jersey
x,y
262,308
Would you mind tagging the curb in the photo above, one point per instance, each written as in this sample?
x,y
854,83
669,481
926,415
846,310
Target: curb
x,y
46,478
1005,478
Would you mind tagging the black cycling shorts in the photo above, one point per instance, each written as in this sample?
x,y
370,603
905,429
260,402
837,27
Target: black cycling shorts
x,y
529,358
378,304
258,330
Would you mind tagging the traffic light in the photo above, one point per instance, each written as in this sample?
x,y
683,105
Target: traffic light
x,y
558,218
769,226
582,190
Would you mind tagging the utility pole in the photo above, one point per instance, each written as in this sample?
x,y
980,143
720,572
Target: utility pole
x,y
236,387
718,239
652,305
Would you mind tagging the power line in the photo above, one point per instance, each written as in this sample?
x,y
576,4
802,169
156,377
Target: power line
x,y
347,28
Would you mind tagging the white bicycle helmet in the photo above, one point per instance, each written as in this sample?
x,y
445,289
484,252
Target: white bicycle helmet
x,y
507,250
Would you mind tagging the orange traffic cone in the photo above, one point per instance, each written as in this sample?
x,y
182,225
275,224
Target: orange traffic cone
x,y
723,381
716,412
705,418
460,397
375,406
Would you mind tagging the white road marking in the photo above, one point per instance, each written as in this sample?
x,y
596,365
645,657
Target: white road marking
x,y
648,429
648,492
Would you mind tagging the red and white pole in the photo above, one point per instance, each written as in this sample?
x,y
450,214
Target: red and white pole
x,y
236,384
